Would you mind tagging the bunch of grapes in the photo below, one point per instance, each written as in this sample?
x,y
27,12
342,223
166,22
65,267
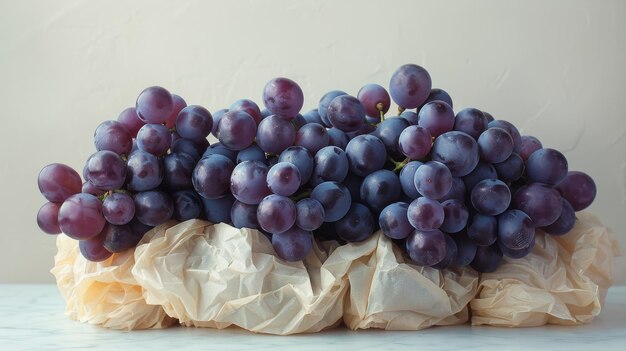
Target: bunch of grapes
x,y
451,189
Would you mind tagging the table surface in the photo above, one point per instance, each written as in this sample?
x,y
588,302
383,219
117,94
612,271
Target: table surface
x,y
32,318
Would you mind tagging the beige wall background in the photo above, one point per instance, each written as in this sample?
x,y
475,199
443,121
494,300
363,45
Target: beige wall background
x,y
556,69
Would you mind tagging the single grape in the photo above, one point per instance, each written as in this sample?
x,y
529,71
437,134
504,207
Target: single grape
x,y
276,214
353,183
346,113
154,138
334,197
529,144
331,164
189,148
519,253
564,223
283,178
487,258
451,253
511,169
365,128
313,137
309,214
458,151
119,238
515,229
178,104
113,136
212,175
283,97
471,121
194,123
482,171
457,191
356,225
187,205
380,189
236,130
153,207
293,244
578,189
80,216
337,138
93,249
366,154
218,210
57,182
488,116
415,142
466,250
437,117
275,134
426,248
483,231
220,149
542,203
491,197
393,221
323,105
455,216
106,170
495,145
118,208
301,158
547,166
138,227
129,119
145,171
411,117
178,169
433,180
388,131
375,99
439,94
511,129
154,105
244,215
251,153
48,218
407,179
249,107
425,214
248,182
410,86
217,117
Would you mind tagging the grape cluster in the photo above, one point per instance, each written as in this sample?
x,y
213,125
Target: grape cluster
x,y
451,189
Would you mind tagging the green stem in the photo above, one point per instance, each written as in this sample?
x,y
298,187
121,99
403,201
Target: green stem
x,y
400,110
301,196
380,106
399,165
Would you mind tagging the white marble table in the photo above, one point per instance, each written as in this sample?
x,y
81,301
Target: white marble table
x,y
32,318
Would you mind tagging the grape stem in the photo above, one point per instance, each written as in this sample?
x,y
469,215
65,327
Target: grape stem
x,y
379,107
301,196
399,165
400,110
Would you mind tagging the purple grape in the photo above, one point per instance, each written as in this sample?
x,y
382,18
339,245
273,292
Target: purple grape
x,y
138,227
331,164
218,210
456,192
178,104
249,107
80,216
275,134
491,197
187,205
547,166
564,223
380,189
251,153
356,225
48,218
482,171
154,105
471,121
283,97
426,248
276,214
236,130
212,176
466,250
106,170
393,221
153,207
145,171
515,229
189,148
425,214
410,86
455,216
433,180
312,137
411,117
177,171
519,253
313,116
353,183
439,94
529,144
370,96
57,182
335,198
244,215
511,169
483,231
217,117
407,179
119,238
283,178
154,138
495,145
194,123
113,136
511,129
346,113
299,122
220,149
129,119
309,214
451,253
388,131
487,258
301,158
293,244
437,117
458,151
415,142
337,138
488,116
118,208
248,182
578,189
93,249
366,154
365,129
323,105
